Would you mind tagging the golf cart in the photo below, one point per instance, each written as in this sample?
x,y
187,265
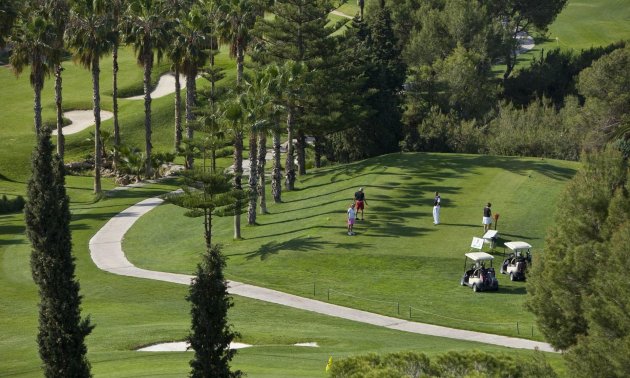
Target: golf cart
x,y
517,261
478,276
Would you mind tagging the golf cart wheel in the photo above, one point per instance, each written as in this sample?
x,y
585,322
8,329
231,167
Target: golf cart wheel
x,y
512,278
475,288
462,282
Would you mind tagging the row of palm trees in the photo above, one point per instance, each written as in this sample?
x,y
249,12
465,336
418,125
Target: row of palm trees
x,y
188,33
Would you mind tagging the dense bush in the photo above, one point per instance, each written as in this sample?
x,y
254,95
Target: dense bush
x,y
11,205
451,364
439,132
553,75
538,130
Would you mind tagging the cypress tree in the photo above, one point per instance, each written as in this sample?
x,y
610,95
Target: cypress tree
x,y
61,330
211,333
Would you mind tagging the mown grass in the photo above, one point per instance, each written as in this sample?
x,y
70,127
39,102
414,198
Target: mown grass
x,y
398,259
130,313
582,25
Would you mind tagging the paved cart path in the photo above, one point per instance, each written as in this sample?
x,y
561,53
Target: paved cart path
x,y
106,252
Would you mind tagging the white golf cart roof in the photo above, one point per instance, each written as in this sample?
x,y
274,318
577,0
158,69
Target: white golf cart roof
x,y
516,245
479,256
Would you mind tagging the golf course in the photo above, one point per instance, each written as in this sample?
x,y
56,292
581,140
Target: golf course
x,y
399,264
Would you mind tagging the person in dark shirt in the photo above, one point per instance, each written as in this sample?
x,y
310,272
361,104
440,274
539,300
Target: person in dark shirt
x,y
487,217
359,199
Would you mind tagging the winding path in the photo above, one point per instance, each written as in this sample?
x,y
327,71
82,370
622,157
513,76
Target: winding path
x,y
106,252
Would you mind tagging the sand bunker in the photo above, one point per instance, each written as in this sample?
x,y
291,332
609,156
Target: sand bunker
x,y
165,86
183,346
81,120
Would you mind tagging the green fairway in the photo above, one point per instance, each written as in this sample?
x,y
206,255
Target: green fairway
x,y
130,313
582,25
399,261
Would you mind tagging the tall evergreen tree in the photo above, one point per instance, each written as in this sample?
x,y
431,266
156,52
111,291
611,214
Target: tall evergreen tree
x,y
565,278
8,14
211,333
378,127
62,332
298,33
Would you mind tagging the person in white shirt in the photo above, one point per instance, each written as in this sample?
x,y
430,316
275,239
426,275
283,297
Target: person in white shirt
x,y
436,208
352,215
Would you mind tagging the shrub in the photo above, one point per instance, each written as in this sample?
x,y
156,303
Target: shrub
x,y
14,205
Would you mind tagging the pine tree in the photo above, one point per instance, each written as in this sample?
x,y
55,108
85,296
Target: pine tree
x,y
298,33
376,60
61,329
563,281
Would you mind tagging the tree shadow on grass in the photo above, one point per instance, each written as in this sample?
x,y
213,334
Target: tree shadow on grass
x,y
513,290
289,232
301,244
393,230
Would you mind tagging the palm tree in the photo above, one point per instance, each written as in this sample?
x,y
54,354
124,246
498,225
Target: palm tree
x,y
196,44
90,39
288,82
178,9
256,102
146,27
234,115
58,12
240,18
116,9
33,42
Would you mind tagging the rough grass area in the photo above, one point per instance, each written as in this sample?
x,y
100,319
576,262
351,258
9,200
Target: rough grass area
x,y
398,262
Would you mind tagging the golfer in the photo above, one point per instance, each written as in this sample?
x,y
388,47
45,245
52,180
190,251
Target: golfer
x,y
351,217
359,199
436,208
487,217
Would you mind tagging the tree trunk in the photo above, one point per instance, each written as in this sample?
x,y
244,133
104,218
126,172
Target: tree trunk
x,y
240,57
58,100
38,84
276,172
148,66
262,154
318,152
301,153
115,106
190,116
253,179
238,175
289,181
178,110
96,98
